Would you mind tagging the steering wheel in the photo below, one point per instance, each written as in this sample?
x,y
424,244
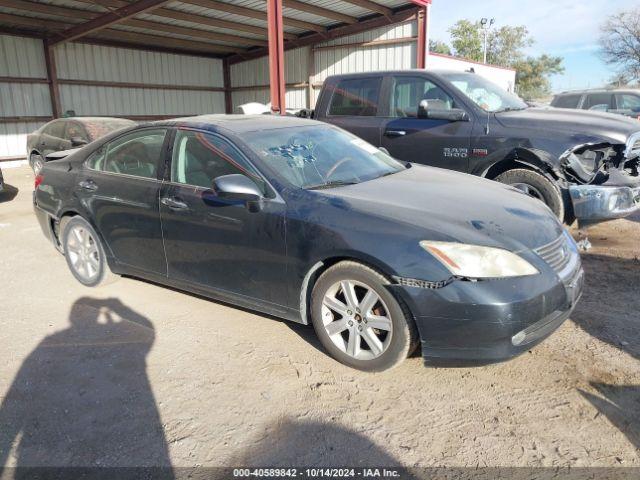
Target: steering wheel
x,y
337,165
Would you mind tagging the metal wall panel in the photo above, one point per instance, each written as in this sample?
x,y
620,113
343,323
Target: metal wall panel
x,y
256,72
13,138
350,59
106,101
21,57
328,61
80,61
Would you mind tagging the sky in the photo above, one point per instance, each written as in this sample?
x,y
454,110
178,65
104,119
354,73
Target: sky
x,y
564,28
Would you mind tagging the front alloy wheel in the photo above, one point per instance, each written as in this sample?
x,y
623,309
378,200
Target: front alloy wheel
x,y
358,320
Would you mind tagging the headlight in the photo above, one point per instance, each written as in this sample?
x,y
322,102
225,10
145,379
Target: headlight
x,y
474,261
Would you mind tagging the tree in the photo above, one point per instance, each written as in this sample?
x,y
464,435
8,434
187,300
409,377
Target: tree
x,y
438,46
620,42
504,45
532,75
505,48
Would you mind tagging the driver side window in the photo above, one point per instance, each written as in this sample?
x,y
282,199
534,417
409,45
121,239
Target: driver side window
x,y
408,92
199,158
137,153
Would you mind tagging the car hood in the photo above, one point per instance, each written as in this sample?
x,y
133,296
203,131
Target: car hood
x,y
616,128
439,204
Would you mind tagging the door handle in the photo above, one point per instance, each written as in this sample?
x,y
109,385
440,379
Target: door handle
x,y
395,133
88,185
174,204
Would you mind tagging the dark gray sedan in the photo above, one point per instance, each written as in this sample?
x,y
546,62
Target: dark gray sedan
x,y
65,133
304,221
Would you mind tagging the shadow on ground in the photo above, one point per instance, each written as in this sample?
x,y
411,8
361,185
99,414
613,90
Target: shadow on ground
x,y
618,280
82,397
313,444
8,193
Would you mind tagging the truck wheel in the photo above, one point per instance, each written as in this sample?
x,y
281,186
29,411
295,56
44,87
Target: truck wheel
x,y
359,321
537,186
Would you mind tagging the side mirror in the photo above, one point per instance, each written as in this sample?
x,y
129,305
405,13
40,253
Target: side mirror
x,y
236,187
78,141
437,110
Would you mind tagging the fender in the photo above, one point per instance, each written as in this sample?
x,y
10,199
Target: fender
x,y
532,158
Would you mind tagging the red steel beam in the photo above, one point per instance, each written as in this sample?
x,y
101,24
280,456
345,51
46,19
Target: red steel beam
x,y
422,38
276,56
107,19
52,77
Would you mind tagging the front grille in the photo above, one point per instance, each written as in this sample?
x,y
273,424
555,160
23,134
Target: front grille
x,y
557,254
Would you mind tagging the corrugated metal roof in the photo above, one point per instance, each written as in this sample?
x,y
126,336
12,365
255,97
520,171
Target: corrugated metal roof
x,y
297,20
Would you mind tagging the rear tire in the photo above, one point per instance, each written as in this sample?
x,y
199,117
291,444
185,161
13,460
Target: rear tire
x,y
537,186
357,319
84,253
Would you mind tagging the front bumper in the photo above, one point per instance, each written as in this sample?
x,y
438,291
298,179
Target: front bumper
x,y
592,203
490,321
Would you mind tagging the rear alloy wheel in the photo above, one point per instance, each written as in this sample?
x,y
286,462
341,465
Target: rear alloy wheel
x,y
36,162
358,320
536,186
84,253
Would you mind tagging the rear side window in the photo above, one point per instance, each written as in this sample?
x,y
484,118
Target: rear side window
x,y
598,101
627,101
55,129
356,97
137,153
75,130
567,101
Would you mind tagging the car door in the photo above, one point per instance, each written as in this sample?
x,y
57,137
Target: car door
x,y
214,244
598,102
119,188
354,106
440,143
51,138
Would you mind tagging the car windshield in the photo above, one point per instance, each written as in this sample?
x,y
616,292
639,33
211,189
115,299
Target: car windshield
x,y
320,156
485,94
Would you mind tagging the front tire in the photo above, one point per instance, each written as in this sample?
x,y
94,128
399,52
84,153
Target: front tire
x,y
536,186
84,252
358,321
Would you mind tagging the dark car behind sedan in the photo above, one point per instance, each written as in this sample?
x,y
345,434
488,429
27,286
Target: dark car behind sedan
x,y
623,101
304,221
66,133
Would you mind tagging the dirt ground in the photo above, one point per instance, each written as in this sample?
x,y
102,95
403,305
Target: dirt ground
x,y
133,374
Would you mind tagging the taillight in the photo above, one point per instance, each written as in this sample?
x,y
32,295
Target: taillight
x,y
38,181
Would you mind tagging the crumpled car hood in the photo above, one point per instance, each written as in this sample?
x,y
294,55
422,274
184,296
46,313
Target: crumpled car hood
x,y
439,204
614,128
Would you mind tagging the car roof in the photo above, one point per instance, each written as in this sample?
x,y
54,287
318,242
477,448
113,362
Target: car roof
x,y
599,90
435,71
96,119
239,123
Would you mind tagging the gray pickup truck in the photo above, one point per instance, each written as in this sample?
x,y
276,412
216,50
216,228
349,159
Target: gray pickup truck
x,y
583,165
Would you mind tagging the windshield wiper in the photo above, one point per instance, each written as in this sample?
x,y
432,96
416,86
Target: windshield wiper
x,y
333,183
511,109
